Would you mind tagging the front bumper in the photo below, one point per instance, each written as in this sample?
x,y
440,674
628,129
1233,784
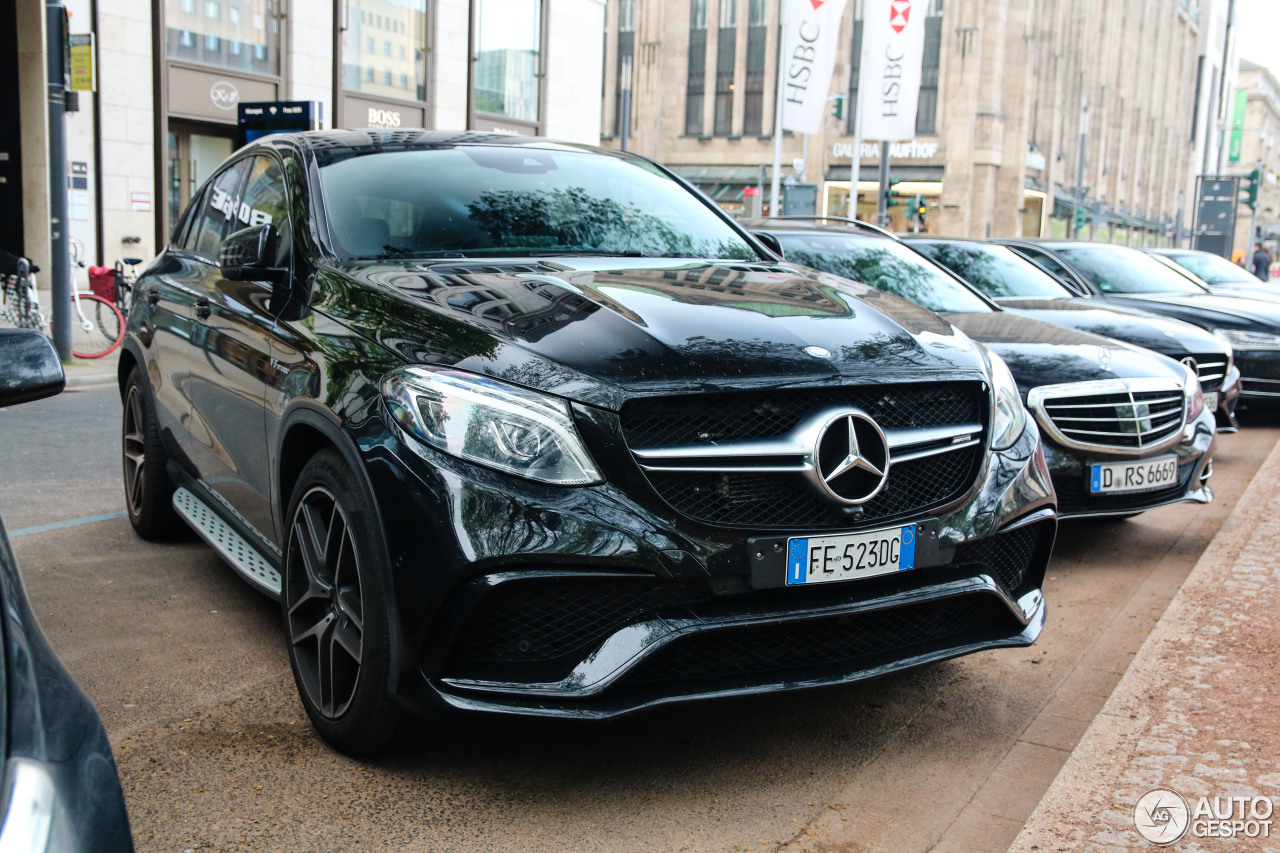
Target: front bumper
x,y
1069,469
586,603
1260,377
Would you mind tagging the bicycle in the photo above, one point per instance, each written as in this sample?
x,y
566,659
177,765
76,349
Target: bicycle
x,y
97,326
115,283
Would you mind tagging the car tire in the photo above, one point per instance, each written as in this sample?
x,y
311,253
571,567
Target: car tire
x,y
148,491
334,599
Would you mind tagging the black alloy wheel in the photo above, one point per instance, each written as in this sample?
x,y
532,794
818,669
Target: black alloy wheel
x,y
335,611
148,492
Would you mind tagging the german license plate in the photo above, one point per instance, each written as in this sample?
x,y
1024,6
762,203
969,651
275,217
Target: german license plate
x,y
852,556
1107,478
1211,401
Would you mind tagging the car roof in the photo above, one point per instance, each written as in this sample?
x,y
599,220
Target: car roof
x,y
370,140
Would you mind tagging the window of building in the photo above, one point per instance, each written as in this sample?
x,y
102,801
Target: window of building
x,y
261,31
728,13
695,87
927,109
364,63
753,99
626,50
725,58
508,51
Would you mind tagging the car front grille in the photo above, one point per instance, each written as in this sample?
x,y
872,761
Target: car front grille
x,y
785,500
1074,497
1134,417
1211,368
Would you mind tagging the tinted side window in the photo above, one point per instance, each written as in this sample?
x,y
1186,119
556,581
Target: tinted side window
x,y
219,207
265,203
1046,262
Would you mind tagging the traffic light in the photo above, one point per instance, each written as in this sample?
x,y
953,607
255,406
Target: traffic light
x,y
891,195
838,109
1079,221
921,209
916,210
1249,183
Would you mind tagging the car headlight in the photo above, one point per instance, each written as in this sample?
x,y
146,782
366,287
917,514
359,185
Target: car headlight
x,y
491,423
1010,415
1240,339
1194,394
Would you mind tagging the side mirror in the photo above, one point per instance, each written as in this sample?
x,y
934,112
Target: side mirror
x,y
770,242
248,255
29,367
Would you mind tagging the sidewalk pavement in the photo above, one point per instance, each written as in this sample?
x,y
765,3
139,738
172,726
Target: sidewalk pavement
x,y
1196,712
83,372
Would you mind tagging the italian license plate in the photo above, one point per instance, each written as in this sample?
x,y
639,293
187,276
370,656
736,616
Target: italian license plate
x,y
852,556
1211,401
1111,477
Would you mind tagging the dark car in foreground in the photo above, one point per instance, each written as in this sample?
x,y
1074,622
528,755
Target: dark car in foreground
x,y
1218,274
61,791
1117,275
1125,429
1022,287
532,428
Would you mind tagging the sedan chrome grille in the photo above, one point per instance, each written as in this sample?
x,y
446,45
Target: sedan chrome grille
x,y
1211,369
1128,416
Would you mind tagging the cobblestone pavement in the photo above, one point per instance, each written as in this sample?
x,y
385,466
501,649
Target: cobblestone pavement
x,y
1196,711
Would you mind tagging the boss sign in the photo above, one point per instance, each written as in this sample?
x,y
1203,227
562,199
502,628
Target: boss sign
x,y
889,77
808,55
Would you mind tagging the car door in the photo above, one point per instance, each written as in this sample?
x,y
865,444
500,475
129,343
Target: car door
x,y
170,293
233,325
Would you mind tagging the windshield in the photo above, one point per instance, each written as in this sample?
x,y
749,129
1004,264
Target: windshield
x,y
485,201
1117,269
995,270
885,265
1214,269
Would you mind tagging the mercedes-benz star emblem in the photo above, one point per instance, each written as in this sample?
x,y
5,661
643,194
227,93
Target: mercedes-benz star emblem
x,y
852,458
818,352
1190,362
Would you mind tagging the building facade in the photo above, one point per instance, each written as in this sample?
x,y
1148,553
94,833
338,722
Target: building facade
x,y
1009,88
171,75
1252,142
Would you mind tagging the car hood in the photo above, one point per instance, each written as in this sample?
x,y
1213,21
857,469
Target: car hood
x,y
1042,354
1265,292
599,330
1209,310
1166,336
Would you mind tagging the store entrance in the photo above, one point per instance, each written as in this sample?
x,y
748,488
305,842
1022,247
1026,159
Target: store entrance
x,y
195,149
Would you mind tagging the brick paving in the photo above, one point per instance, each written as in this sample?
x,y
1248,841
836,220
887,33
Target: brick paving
x,y
1196,711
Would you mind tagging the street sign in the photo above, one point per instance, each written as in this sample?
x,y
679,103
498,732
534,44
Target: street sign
x,y
259,118
84,77
1217,197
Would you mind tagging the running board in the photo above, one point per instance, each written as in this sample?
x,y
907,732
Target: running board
x,y
230,545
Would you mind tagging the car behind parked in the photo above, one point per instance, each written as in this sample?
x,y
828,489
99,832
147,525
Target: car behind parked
x,y
533,428
1118,275
1124,428
1218,274
61,790
1020,286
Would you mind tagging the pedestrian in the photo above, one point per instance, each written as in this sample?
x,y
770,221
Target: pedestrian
x,y
1261,262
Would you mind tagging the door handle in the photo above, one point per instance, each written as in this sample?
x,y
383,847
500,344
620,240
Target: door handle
x,y
202,309
153,295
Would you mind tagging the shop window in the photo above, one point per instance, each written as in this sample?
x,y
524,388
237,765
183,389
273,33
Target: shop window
x,y
374,38
508,53
185,28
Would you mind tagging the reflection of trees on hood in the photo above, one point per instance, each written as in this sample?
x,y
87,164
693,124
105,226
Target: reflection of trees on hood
x,y
571,219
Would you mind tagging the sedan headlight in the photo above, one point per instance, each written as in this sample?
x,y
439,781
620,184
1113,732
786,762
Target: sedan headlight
x,y
1242,340
491,423
1010,415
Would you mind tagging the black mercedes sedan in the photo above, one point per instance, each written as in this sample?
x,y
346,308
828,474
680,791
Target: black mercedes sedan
x,y
1021,287
1125,429
524,427
1217,273
1117,275
61,791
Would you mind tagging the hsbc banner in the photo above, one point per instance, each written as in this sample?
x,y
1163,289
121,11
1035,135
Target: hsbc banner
x,y
808,55
889,78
